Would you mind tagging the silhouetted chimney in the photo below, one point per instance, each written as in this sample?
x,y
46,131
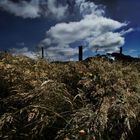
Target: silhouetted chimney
x,y
5,51
121,50
42,52
80,53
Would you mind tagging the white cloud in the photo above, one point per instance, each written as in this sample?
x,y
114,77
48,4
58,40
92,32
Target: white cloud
x,y
60,53
109,42
66,33
23,51
94,28
23,8
34,8
67,51
124,32
87,8
56,9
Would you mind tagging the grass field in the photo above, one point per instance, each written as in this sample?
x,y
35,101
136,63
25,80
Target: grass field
x,y
90,100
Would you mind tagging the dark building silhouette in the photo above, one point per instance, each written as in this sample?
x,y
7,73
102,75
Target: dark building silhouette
x,y
5,51
42,52
80,53
121,50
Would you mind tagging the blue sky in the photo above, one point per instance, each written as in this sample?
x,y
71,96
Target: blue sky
x,y
60,26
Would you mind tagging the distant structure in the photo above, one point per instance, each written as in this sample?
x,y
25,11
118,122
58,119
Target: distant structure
x,y
116,56
80,53
122,57
42,52
5,51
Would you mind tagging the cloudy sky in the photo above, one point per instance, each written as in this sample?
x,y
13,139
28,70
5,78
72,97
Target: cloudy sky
x,y
60,26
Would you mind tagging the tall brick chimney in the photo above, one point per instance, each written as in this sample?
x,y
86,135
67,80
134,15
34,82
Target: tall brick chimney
x,y
80,53
42,52
121,50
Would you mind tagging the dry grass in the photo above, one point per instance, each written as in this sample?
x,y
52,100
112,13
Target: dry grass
x,y
54,101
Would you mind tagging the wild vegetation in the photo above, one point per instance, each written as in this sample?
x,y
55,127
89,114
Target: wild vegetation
x,y
94,99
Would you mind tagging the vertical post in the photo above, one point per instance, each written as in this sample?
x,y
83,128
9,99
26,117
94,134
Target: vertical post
x,y
80,53
121,50
42,52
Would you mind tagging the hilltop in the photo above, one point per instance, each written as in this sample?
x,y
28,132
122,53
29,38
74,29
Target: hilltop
x,y
54,101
